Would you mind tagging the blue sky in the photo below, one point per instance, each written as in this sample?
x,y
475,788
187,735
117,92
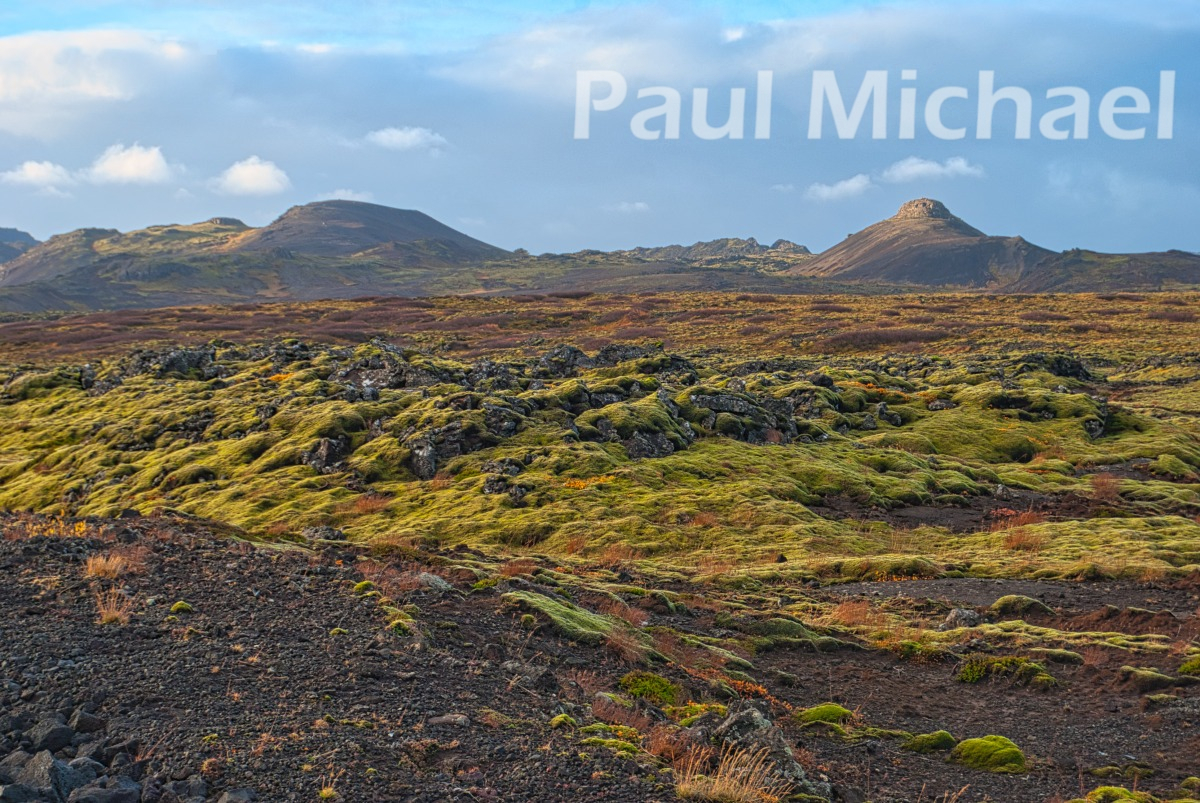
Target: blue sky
x,y
126,114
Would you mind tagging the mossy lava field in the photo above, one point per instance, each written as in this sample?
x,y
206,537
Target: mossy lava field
x,y
724,547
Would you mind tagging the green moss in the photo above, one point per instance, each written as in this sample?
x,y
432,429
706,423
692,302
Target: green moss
x,y
181,607
616,745
936,741
563,721
1114,794
1018,605
1056,656
989,753
364,587
825,713
977,667
1148,679
1191,667
572,621
686,715
652,687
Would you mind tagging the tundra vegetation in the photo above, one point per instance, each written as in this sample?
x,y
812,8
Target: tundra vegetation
x,y
753,517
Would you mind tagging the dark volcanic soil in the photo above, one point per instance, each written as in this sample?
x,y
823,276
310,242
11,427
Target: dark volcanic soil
x,y
285,681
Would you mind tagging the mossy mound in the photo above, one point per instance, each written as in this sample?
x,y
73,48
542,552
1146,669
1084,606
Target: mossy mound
x,y
827,713
931,742
1115,794
1191,667
1147,679
1019,605
1027,672
1056,656
570,620
989,753
652,687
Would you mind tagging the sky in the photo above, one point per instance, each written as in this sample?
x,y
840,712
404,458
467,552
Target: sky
x,y
128,114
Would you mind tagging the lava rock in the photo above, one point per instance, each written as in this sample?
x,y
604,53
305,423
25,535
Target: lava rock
x,y
50,734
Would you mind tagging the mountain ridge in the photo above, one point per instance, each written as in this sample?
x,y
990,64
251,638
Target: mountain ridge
x,y
347,249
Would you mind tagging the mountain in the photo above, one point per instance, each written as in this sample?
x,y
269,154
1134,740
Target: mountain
x,y
345,228
326,229
348,249
13,243
923,243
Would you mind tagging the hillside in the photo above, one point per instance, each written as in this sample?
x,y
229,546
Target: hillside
x,y
1082,271
13,243
923,243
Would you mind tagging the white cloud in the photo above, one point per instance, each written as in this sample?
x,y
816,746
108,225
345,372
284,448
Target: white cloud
x,y
848,188
129,165
914,169
783,187
38,174
347,195
252,176
408,138
315,48
50,78
629,207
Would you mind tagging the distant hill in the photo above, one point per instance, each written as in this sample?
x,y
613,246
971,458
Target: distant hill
x,y
13,243
1079,271
348,249
923,243
714,250
346,228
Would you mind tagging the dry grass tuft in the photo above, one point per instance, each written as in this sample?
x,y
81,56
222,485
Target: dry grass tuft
x,y
616,554
857,613
625,644
518,566
668,743
1105,488
370,503
113,607
1021,540
621,610
740,776
1007,519
105,567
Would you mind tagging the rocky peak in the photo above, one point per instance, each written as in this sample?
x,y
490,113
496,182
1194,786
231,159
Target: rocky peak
x,y
923,208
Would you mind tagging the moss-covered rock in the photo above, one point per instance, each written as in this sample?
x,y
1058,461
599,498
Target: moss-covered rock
x,y
830,713
652,687
1019,605
989,753
936,741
